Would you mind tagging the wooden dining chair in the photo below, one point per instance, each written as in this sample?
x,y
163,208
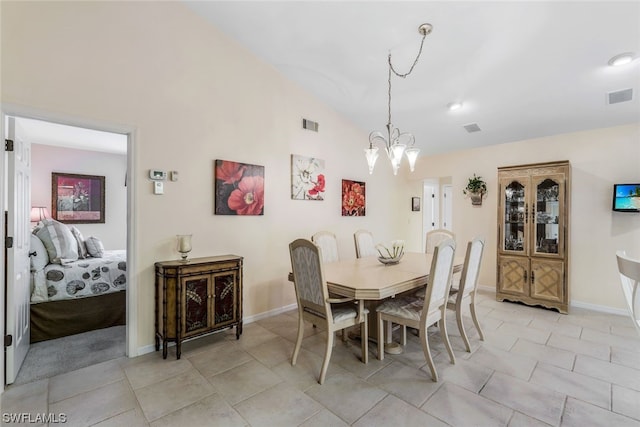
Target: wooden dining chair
x,y
629,270
329,244
435,237
364,244
420,313
315,305
465,292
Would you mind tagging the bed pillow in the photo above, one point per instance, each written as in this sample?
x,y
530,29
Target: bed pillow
x,y
94,247
38,254
82,248
59,241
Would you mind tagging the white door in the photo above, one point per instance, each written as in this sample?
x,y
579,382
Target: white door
x,y
430,220
18,264
447,207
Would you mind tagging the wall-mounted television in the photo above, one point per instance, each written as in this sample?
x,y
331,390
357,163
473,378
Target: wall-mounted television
x,y
626,197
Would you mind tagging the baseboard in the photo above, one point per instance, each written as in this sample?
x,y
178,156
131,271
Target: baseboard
x,y
600,308
246,320
274,312
576,304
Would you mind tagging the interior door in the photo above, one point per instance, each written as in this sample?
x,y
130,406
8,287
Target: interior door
x,y
430,209
18,265
447,207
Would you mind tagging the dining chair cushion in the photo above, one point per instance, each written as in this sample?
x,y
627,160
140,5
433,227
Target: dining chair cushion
x,y
339,313
405,307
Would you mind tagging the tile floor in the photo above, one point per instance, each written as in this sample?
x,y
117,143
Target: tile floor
x,y
536,368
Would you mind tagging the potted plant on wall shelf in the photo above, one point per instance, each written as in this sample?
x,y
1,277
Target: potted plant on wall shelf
x,y
476,189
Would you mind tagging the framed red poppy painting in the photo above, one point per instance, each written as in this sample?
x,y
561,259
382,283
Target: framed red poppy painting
x,y
239,188
353,198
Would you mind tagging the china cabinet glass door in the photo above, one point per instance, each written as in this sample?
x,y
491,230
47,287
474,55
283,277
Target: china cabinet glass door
x,y
515,208
548,215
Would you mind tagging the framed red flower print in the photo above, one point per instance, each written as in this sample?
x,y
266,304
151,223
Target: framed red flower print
x,y
239,188
353,198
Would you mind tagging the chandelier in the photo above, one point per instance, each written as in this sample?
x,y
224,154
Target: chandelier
x,y
396,143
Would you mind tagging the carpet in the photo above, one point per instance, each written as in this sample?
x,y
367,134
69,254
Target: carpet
x,y
54,357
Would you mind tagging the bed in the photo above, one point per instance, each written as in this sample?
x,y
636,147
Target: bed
x,y
74,296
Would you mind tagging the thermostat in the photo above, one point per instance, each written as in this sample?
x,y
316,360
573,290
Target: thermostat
x,y
157,175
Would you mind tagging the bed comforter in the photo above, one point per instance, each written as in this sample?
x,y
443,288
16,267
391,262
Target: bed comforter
x,y
82,278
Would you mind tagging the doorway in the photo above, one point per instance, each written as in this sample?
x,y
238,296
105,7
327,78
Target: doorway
x,y
53,145
438,205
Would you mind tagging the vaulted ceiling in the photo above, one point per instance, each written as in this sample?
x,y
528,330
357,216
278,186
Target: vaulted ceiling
x,y
521,69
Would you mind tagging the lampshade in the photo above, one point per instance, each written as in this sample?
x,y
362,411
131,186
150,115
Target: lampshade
x,y
38,213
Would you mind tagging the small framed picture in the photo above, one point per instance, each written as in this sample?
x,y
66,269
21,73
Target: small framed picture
x,y
415,204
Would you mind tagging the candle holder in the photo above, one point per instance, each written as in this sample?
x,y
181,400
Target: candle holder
x,y
184,245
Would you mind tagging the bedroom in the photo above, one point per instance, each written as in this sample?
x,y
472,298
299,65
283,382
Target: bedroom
x,y
71,150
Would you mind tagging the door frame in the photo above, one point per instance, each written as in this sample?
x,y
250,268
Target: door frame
x,y
131,344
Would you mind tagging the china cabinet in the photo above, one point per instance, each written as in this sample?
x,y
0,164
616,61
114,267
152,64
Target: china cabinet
x,y
196,297
533,234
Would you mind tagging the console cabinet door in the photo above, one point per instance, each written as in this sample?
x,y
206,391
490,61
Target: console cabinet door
x,y
225,300
196,315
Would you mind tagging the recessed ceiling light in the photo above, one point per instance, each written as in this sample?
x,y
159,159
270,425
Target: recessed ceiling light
x,y
621,59
454,106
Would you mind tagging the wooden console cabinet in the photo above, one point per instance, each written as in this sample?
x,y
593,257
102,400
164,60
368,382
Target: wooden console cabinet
x,y
533,234
197,297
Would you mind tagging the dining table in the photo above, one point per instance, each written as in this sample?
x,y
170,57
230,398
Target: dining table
x,y
371,281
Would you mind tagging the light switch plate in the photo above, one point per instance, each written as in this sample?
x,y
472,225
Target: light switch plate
x,y
173,175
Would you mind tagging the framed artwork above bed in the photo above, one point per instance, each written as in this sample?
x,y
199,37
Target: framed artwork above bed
x,y
77,199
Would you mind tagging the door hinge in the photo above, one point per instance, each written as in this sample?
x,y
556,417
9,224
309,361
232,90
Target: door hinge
x,y
8,340
8,145
433,195
8,242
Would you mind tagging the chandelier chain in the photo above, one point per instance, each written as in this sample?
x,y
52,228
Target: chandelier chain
x,y
402,75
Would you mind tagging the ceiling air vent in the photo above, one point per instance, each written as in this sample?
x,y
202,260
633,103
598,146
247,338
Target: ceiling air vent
x,y
310,125
472,127
618,96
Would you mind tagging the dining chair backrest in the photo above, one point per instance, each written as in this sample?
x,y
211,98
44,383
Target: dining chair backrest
x,y
471,267
329,244
435,237
308,277
439,280
364,244
629,270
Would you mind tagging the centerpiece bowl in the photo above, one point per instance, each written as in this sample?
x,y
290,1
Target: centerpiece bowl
x,y
391,256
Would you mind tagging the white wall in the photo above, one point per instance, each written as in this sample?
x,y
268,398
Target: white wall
x,y
192,96
46,159
599,158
